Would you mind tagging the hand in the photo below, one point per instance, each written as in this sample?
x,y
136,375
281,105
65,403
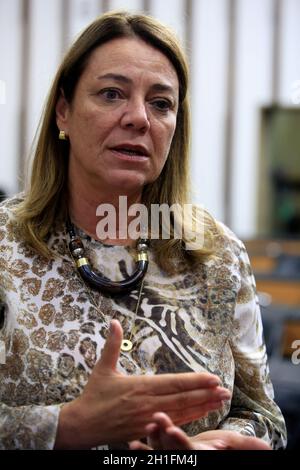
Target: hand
x,y
164,435
114,407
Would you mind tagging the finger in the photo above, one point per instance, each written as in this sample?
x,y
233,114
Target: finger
x,y
249,443
215,444
164,435
156,431
232,440
153,433
184,416
138,445
162,420
111,351
160,423
164,384
175,438
189,399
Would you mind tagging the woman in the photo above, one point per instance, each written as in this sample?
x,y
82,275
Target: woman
x,y
116,124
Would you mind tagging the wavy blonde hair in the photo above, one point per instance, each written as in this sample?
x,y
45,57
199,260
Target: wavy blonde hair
x,y
46,199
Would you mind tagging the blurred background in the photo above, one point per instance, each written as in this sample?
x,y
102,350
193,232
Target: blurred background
x,y
245,89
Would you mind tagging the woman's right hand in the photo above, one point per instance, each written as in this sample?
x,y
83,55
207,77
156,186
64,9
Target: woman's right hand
x,y
115,408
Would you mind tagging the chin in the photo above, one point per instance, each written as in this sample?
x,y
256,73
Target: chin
x,y
128,182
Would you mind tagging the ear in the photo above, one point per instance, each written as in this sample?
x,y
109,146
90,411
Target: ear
x,y
62,113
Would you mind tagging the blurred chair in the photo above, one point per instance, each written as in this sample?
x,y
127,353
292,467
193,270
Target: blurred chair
x,y
281,329
276,266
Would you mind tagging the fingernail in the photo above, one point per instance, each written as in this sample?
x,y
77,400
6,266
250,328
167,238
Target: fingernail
x,y
224,396
215,381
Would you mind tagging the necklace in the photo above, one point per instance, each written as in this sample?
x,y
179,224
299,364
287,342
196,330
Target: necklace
x,y
97,280
103,284
127,343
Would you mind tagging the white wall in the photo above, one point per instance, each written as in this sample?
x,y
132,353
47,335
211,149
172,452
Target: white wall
x,y
208,102
45,53
82,12
133,5
55,23
172,13
290,57
11,76
253,90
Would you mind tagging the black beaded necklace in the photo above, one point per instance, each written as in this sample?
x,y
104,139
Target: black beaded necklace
x,y
97,280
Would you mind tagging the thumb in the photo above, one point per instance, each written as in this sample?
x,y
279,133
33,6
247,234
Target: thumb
x,y
111,351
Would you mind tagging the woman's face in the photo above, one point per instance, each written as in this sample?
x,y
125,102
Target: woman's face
x,y
123,116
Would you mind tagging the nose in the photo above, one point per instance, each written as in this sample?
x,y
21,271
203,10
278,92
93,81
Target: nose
x,y
135,116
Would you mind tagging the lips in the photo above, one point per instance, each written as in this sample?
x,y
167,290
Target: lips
x,y
131,150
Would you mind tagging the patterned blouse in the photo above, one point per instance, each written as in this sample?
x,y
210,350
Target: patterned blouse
x,y
53,328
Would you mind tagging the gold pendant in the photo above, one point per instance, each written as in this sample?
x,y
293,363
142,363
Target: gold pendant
x,y
126,345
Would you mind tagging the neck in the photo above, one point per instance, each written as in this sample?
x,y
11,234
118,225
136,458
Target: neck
x,y
83,204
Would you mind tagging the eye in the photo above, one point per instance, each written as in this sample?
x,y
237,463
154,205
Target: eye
x,y
111,94
162,105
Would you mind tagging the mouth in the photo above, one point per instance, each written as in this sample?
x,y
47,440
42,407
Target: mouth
x,y
133,152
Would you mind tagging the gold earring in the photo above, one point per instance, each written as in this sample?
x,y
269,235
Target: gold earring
x,y
62,135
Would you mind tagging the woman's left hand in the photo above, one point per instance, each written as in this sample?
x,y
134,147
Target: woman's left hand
x,y
164,435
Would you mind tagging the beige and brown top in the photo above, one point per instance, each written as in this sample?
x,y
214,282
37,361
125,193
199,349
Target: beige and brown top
x,y
208,319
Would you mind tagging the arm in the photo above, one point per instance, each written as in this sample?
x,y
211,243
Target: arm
x,y
28,427
24,427
253,411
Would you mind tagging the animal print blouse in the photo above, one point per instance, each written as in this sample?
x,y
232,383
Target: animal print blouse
x,y
53,330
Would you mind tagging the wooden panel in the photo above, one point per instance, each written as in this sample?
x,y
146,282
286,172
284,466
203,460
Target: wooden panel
x,y
282,292
263,246
263,264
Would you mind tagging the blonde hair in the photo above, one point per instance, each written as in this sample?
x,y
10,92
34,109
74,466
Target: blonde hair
x,y
46,199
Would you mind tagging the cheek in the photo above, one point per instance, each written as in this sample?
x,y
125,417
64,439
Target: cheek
x,y
93,122
164,139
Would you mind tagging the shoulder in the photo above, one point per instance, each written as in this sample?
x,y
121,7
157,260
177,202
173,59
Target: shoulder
x,y
8,229
7,208
230,254
226,240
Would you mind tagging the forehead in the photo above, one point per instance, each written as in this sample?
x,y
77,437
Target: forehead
x,y
131,55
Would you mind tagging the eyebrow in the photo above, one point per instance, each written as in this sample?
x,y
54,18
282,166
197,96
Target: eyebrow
x,y
123,79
